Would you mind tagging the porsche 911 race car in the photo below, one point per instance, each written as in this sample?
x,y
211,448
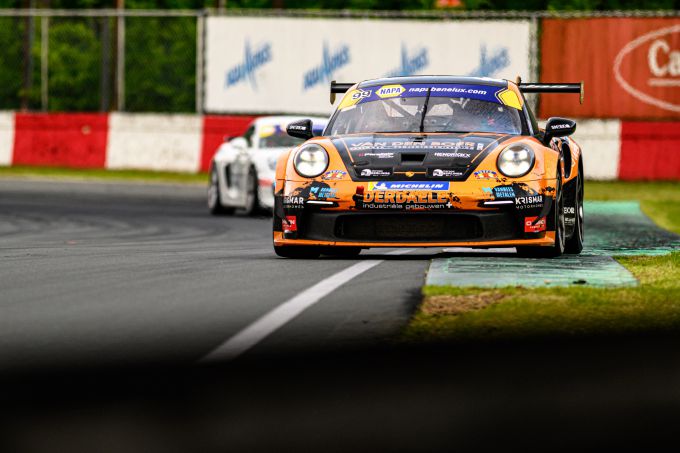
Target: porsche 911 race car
x,y
432,161
242,171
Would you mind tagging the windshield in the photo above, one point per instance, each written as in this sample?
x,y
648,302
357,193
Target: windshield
x,y
275,136
428,108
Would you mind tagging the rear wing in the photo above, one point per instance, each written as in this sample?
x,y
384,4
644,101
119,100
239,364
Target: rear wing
x,y
339,88
523,87
552,88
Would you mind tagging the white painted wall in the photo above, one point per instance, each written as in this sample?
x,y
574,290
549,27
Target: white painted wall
x,y
6,138
600,142
154,142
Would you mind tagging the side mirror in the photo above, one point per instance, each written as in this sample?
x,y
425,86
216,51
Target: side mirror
x,y
300,129
239,144
558,127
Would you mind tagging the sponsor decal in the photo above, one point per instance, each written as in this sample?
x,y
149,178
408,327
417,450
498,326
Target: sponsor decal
x,y
297,127
438,145
663,67
530,202
322,192
534,224
389,91
441,173
331,61
490,191
456,155
366,172
411,63
569,210
333,175
485,174
560,126
405,185
377,155
289,224
293,202
412,200
447,90
252,61
501,192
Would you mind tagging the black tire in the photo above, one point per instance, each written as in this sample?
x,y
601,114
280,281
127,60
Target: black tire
x,y
215,206
343,252
252,206
574,245
558,211
298,251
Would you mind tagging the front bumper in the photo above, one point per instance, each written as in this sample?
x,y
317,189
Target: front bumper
x,y
473,220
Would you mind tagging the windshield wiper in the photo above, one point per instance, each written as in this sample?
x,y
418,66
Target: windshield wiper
x,y
422,118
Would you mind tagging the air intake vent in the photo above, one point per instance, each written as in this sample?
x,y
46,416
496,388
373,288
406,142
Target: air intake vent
x,y
412,158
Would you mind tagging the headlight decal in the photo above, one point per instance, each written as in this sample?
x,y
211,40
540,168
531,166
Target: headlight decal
x,y
515,161
310,160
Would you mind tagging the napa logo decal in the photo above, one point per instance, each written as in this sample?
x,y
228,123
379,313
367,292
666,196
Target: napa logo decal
x,y
390,91
330,62
411,63
253,59
491,63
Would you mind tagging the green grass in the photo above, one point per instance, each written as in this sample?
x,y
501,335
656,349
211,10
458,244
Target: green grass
x,y
468,314
659,200
103,175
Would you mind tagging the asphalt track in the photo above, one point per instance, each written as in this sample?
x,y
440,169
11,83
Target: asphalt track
x,y
106,273
108,291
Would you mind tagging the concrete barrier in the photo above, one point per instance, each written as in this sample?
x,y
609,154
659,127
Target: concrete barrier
x,y
186,143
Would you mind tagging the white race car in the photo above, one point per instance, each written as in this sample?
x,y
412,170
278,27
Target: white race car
x,y
242,172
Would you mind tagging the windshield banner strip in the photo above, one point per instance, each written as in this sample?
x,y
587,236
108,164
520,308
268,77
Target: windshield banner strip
x,y
410,90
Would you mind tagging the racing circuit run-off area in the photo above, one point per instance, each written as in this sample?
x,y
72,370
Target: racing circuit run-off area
x,y
277,230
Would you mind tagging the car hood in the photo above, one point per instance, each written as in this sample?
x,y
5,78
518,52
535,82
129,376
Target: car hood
x,y
413,157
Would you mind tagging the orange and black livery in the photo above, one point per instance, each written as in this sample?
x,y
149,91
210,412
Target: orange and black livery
x,y
432,161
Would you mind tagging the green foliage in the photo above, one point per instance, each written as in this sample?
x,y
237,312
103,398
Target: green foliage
x,y
160,64
10,62
74,65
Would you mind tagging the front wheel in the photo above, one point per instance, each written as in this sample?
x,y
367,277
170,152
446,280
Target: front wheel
x,y
298,251
215,206
252,204
558,215
574,244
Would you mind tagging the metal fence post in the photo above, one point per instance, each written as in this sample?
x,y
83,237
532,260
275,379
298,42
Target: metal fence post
x,y
200,39
44,61
120,62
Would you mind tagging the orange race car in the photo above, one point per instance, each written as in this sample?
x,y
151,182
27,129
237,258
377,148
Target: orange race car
x,y
432,161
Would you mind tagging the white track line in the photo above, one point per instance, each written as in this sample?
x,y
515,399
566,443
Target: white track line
x,y
270,322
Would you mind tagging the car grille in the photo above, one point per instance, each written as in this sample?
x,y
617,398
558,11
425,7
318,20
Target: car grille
x,y
395,227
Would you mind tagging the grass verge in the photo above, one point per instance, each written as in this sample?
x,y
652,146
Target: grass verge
x,y
469,314
103,175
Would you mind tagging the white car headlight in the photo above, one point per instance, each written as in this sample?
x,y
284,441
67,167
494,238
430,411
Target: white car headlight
x,y
311,160
515,161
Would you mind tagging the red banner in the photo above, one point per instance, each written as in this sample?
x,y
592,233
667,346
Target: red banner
x,y
631,67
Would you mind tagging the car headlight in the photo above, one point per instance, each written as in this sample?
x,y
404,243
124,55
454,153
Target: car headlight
x,y
310,161
515,161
